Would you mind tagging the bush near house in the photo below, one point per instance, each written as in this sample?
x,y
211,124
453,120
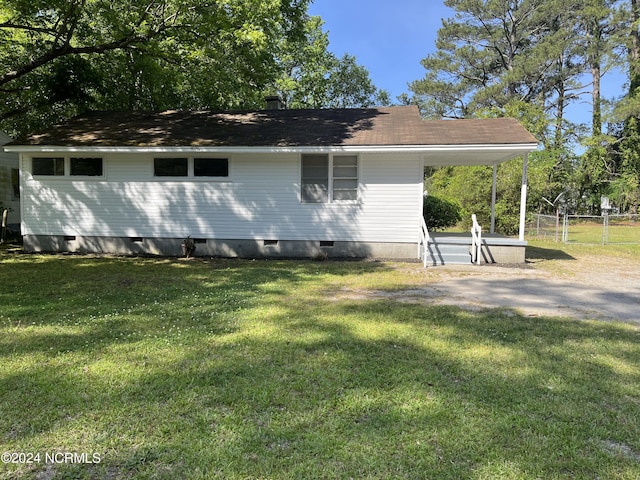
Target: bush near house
x,y
440,213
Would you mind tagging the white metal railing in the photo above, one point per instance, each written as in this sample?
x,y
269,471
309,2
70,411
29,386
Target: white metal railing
x,y
476,240
423,245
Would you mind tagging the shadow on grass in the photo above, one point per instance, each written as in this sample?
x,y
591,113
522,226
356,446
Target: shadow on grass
x,y
540,253
254,373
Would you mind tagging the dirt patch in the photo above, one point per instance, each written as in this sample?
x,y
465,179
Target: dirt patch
x,y
602,290
620,450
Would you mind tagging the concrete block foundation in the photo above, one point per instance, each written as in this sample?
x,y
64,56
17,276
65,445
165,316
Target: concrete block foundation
x,y
230,248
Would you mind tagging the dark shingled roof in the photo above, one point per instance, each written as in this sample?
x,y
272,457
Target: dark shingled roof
x,y
401,126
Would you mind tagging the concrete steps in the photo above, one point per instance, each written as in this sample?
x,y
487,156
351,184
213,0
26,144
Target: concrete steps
x,y
449,251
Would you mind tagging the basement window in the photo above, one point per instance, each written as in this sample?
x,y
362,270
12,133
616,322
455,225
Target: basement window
x,y
270,243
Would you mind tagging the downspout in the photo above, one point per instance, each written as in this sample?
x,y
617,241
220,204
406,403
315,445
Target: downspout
x,y
523,196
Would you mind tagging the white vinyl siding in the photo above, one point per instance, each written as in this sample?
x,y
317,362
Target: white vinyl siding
x,y
259,200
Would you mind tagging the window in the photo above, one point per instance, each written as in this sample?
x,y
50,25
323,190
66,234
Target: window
x,y
210,167
74,166
48,166
315,178
15,183
170,167
90,167
329,179
345,177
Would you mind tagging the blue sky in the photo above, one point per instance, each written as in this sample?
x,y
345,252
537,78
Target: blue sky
x,y
390,37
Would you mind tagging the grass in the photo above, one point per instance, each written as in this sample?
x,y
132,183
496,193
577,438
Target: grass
x,y
236,369
621,230
593,232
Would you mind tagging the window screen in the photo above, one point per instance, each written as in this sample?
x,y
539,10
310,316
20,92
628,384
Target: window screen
x,y
315,178
345,177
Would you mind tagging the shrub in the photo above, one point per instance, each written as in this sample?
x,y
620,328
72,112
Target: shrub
x,y
439,213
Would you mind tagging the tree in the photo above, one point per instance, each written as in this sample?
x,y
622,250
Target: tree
x,y
60,56
482,57
626,188
496,52
313,77
495,55
350,86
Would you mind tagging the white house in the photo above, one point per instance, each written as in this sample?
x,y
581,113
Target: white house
x,y
346,182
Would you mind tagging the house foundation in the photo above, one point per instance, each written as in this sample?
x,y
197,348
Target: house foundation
x,y
229,248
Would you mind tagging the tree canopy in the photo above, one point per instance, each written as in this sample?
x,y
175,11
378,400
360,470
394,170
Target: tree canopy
x,y
60,57
532,59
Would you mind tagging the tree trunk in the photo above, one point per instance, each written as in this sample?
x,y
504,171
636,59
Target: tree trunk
x,y
560,89
594,33
596,126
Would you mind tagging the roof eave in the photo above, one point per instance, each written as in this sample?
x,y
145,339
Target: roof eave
x,y
505,148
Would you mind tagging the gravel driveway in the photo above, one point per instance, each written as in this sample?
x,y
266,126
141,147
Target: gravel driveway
x,y
607,295
588,288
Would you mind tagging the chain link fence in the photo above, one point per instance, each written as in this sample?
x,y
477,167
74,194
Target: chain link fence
x,y
587,229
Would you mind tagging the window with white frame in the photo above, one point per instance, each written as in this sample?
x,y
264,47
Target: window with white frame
x,y
345,178
49,166
170,167
328,178
210,167
85,166
205,167
67,166
315,178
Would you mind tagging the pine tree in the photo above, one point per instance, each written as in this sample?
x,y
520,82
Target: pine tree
x,y
627,186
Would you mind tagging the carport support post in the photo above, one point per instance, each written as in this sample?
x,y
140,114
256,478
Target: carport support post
x,y
493,199
523,196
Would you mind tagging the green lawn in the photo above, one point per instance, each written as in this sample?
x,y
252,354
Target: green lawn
x,y
619,231
232,369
